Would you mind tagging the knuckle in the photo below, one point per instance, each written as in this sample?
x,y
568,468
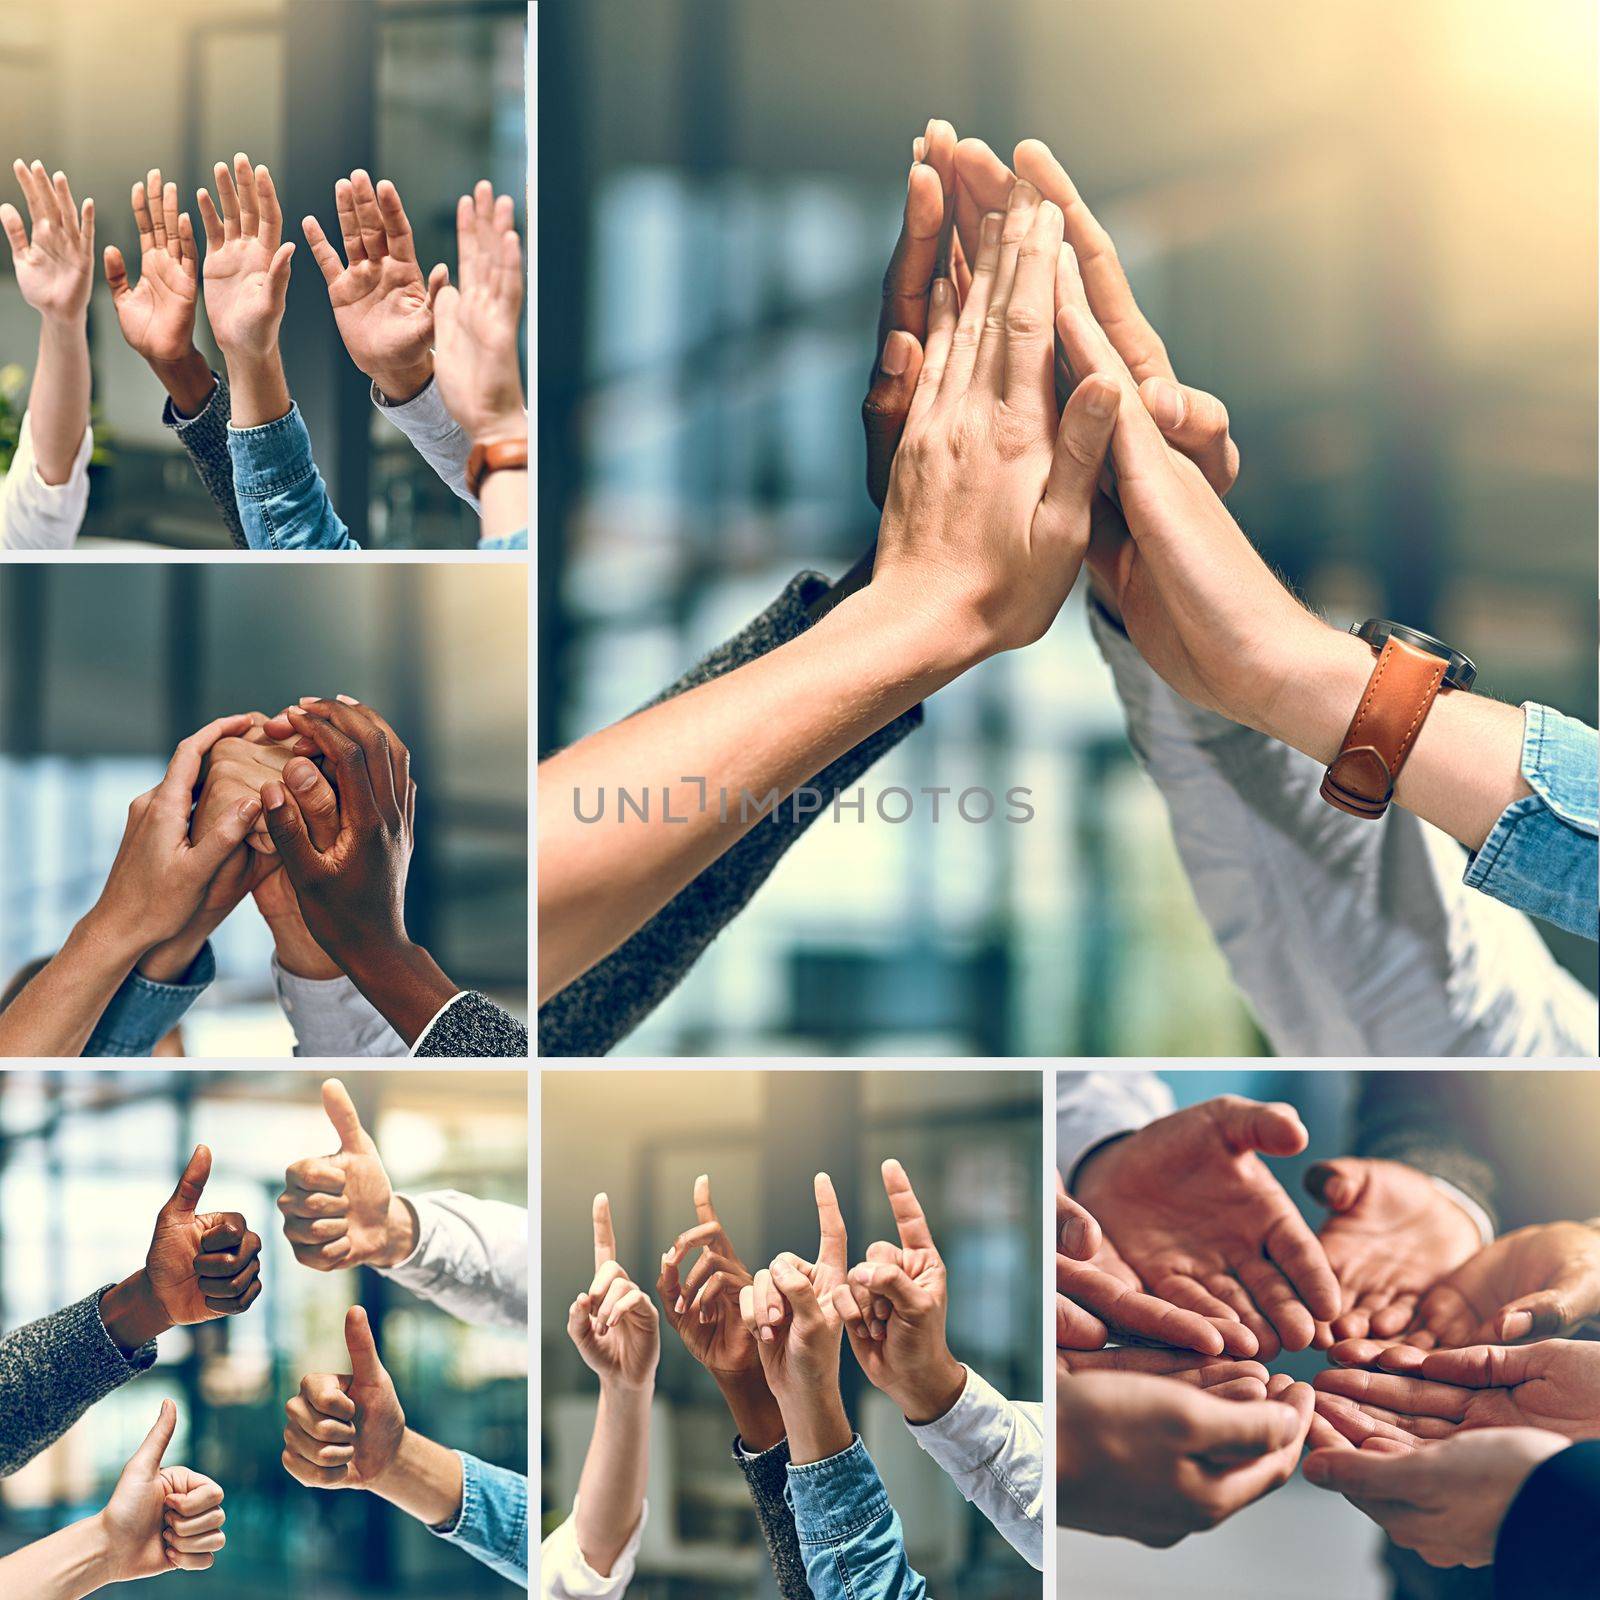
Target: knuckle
x,y
1023,321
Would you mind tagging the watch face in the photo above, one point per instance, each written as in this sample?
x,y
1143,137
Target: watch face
x,y
1459,670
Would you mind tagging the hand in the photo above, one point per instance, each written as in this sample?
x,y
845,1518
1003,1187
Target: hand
x,y
987,516
894,1308
345,1430
157,316
247,266
478,338
1391,1234
1206,1227
1149,1459
1447,1502
238,768
380,299
340,1211
703,1307
1228,1380
161,1519
201,1265
1541,1282
1098,1294
55,269
1554,1384
614,1324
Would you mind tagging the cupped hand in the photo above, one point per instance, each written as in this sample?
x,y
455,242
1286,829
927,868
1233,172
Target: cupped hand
x,y
161,1519
1391,1234
157,314
201,1264
246,272
1226,1378
702,1305
1446,1502
614,1323
55,267
1199,1218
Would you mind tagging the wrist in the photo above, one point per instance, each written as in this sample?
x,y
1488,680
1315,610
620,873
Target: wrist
x,y
168,961
62,327
131,1313
400,978
933,1394
495,425
111,935
423,1479
916,642
95,1555
298,953
257,385
755,1413
400,1235
817,1427
399,385
189,381
1312,688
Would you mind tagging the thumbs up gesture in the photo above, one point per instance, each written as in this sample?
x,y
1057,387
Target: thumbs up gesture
x,y
345,1429
201,1264
340,1210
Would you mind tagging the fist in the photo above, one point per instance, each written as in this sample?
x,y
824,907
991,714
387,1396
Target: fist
x,y
345,1429
201,1265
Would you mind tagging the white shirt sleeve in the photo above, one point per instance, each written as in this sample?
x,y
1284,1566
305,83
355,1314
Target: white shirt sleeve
x,y
331,1017
1092,1107
35,515
435,435
471,1258
565,1575
1347,937
993,1450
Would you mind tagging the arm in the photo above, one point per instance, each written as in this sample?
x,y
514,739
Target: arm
x,y
468,1257
592,1013
850,1535
472,1025
1092,1107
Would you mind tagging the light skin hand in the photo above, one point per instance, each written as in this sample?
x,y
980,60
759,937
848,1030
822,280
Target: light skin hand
x,y
1206,1226
1218,1375
341,1211
614,1323
1391,1234
894,1309
1153,1459
1447,1503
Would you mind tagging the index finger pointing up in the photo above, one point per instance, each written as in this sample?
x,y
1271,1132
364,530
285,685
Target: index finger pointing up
x,y
914,1231
605,1237
834,1247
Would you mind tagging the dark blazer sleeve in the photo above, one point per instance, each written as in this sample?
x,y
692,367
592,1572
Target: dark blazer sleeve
x,y
606,1003
204,438
473,1025
767,1476
1426,1120
52,1371
1549,1544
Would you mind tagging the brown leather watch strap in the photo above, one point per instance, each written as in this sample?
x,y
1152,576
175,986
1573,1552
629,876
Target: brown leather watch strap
x,y
494,455
1398,697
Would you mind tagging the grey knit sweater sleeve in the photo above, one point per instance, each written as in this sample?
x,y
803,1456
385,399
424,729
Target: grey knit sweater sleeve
x,y
204,438
767,1477
52,1371
614,996
473,1025
1410,1117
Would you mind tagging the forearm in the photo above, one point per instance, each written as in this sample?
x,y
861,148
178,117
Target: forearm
x,y
816,1425
503,504
167,962
189,382
62,1566
711,763
424,1480
56,1013
298,953
756,1415
404,982
611,1487
258,388
58,403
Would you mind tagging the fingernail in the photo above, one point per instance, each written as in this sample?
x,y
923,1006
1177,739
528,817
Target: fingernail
x,y
1165,403
992,223
1516,1325
766,1333
774,1314
1102,398
347,699
272,796
1023,194
309,699
678,1308
896,354
249,810
942,291
302,777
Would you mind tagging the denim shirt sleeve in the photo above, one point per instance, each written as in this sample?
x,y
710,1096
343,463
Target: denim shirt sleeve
x,y
1542,856
283,502
510,541
142,1013
850,1536
492,1525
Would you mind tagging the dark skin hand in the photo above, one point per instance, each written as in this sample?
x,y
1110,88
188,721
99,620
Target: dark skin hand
x,y
201,1264
352,894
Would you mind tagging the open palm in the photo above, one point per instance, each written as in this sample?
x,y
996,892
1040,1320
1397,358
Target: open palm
x,y
246,273
55,266
382,312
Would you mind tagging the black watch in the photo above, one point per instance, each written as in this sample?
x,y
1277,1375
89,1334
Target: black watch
x,y
1459,671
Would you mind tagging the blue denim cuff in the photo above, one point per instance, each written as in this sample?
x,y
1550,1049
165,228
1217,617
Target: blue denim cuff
x,y
273,458
142,1012
492,1525
836,1498
1560,763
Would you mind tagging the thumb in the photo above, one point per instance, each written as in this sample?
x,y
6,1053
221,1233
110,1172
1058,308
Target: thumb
x,y
345,1118
1087,422
287,829
437,279
365,1367
148,1456
1273,1128
888,403
278,272
186,1197
207,856
1077,1232
1338,1183
116,274
1483,1366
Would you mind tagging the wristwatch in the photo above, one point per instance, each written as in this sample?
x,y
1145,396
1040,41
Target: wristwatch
x,y
1412,670
494,455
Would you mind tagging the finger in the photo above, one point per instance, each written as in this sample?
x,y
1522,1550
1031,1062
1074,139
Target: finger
x,y
709,1263
1197,424
280,268
244,179
1304,1261
190,1527
191,1185
1395,1317
16,234
269,210
357,801
319,805
1359,1425
361,755
169,220
988,373
748,1314
323,253
287,829
317,1176
886,407
227,199
116,275
1235,1432
365,1366
1483,1366
315,1230
1077,1233
398,238
145,213
1337,1184
212,223
605,1233
968,334
702,1233
325,1395
795,1287
1227,1288
1366,1474
909,1220
1278,1303
1552,1312
207,855
1030,343
915,259
341,1111
984,185
315,1451
24,177
942,314
1084,434
49,206
1192,1295
892,1284
1131,1312
66,206
1077,1329
344,202
833,1249
710,1294
148,1456
188,254
369,217
1413,1397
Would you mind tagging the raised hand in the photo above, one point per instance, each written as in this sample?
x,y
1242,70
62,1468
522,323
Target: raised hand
x,y
702,1306
380,299
613,1323
894,1308
1206,1227
157,314
246,273
345,1430
1433,1394
161,1519
55,267
340,1210
1390,1235
201,1264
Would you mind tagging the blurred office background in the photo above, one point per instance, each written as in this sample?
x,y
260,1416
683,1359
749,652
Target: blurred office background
x,y
428,93
86,1161
104,668
1370,229
972,1145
